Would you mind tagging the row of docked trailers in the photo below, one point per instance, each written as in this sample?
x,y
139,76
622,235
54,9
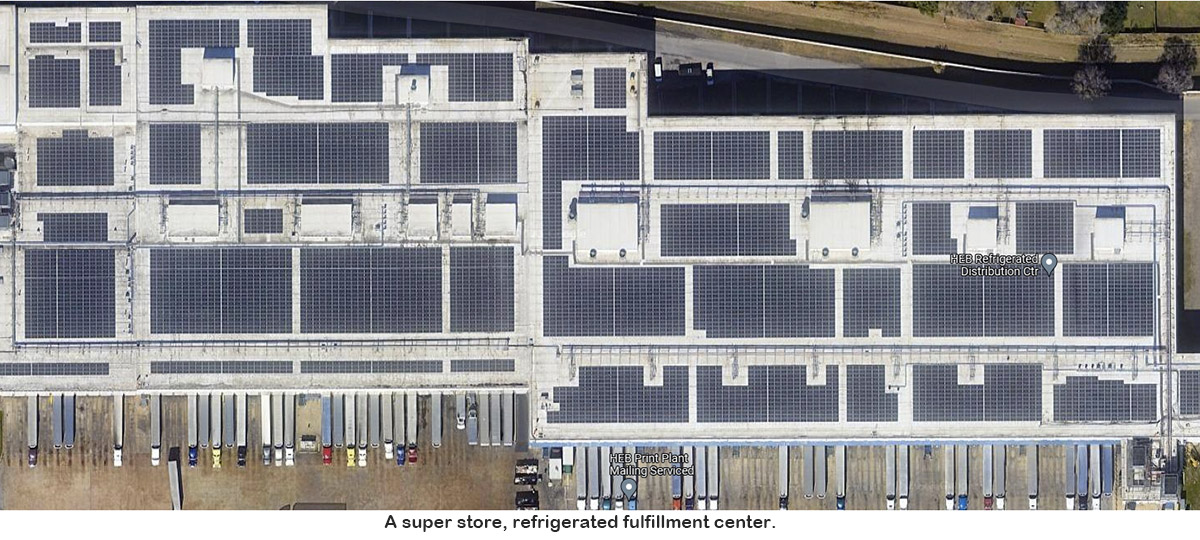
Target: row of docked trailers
x,y
815,474
1089,471
695,485
488,417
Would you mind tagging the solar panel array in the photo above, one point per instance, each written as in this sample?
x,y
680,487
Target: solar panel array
x,y
70,293
371,366
618,394
74,226
53,82
218,367
283,61
870,300
220,291
712,155
608,88
1003,153
1189,392
48,32
931,229
582,148
468,152
1082,153
104,31
938,154
328,153
947,304
1115,299
1009,393
1046,227
104,78
599,301
712,230
791,155
376,290
358,78
174,154
866,397
482,289
167,38
75,159
1091,399
482,365
858,154
772,394
262,221
1141,153
44,369
475,76
756,301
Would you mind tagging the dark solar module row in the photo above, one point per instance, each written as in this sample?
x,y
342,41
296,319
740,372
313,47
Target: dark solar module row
x,y
358,78
333,153
216,367
755,301
53,82
858,154
220,291
948,304
74,227
167,37
1189,392
468,153
483,365
1115,299
938,154
931,229
49,32
1101,153
582,148
711,230
712,155
598,301
104,31
1009,393
608,88
475,76
870,300
1003,153
371,366
70,293
772,394
482,289
75,159
1046,227
619,394
1091,399
262,221
174,154
104,78
376,290
42,369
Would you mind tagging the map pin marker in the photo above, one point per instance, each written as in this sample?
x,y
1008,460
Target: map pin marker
x,y
629,488
1049,262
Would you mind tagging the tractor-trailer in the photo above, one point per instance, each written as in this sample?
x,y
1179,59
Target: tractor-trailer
x,y
508,406
987,476
605,478
31,428
783,477
594,468
809,469
360,427
1069,487
960,474
1081,473
230,423
216,416
326,420
69,421
460,410
264,414
580,478
714,476
338,414
56,419
820,466
891,476
387,425
1094,474
472,421
350,422
399,430
1106,470
497,418
118,429
289,429
701,478
410,424
1000,459
202,423
1031,474
277,427
374,419
677,484
902,476
948,466
435,420
155,428
689,480
192,435
839,468
485,417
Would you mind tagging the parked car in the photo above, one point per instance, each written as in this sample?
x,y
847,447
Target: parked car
x,y
527,500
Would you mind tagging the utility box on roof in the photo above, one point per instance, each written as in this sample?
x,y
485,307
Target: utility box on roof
x,y
326,217
606,223
839,221
1109,229
193,218
500,215
461,219
981,229
423,218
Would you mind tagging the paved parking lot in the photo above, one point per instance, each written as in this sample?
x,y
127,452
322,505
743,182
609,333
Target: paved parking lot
x,y
455,476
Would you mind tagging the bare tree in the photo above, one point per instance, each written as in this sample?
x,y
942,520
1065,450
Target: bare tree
x,y
1076,18
1091,82
1097,50
968,10
1178,60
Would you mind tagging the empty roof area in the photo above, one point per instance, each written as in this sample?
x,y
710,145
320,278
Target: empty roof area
x,y
241,202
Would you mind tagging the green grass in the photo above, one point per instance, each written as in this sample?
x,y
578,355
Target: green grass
x,y
1191,478
1140,16
1041,11
1178,15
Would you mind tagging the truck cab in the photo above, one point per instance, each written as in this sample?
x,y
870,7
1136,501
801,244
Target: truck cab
x,y
962,502
289,455
891,502
33,454
216,455
349,455
783,503
362,455
241,456
117,455
412,452
193,454
326,454
841,503
155,454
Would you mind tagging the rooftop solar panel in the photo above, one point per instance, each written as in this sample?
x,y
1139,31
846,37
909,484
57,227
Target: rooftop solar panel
x,y
931,229
378,290
1091,399
53,369
483,365
49,32
606,302
937,154
772,394
104,31
858,154
791,155
866,397
215,367
371,366
579,148
619,394
608,88
1018,306
1189,392
1141,153
104,78
1046,227
945,303
174,154
1003,153
703,230
482,289
167,38
220,290
468,152
53,82
938,397
708,155
74,227
475,76
1081,153
871,301
332,153
262,221
75,159
1116,299
70,293
358,78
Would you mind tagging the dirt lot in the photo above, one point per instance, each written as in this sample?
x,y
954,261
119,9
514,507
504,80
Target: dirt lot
x,y
908,27
455,476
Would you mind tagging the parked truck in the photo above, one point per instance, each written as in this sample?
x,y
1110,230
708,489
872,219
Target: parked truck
x,y
714,476
485,419
999,480
240,435
326,429
1081,476
595,466
1094,474
277,427
56,420
677,482
192,430
497,419
289,429
69,421
902,476
351,421
399,427
264,414
410,425
360,427
581,489
375,419
809,469
216,416
387,426
202,423
891,476
783,477
472,421
1069,491
155,428
948,465
508,409
839,468
460,410
987,469
31,428
118,429
435,420
689,480
960,475
1106,470
605,480
1031,474
230,422
701,478
821,478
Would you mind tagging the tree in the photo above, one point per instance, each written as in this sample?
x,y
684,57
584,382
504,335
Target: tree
x,y
927,8
1113,18
1178,60
978,11
1091,82
1097,50
1076,18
